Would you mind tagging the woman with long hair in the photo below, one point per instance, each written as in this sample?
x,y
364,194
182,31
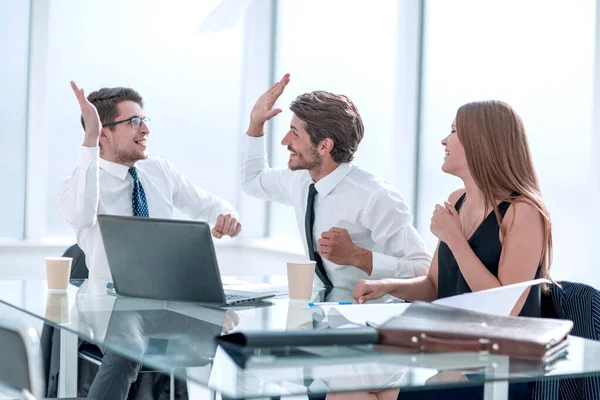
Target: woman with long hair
x,y
496,230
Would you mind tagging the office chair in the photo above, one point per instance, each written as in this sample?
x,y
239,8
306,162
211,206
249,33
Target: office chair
x,y
579,303
21,362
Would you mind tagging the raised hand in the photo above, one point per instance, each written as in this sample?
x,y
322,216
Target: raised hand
x,y
263,108
226,225
91,119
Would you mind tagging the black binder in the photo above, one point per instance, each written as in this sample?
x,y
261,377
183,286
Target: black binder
x,y
324,337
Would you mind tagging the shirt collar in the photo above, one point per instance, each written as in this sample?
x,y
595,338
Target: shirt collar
x,y
118,170
328,183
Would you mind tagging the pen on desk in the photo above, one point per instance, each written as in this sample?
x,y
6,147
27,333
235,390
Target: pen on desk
x,y
329,303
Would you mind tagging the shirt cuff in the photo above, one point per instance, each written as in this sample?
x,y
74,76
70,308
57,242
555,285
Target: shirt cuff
x,y
254,146
383,266
88,157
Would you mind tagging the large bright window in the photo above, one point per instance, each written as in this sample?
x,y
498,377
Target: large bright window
x,y
14,53
341,46
190,81
538,56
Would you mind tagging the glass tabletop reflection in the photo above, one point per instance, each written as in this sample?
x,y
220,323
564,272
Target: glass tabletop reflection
x,y
179,338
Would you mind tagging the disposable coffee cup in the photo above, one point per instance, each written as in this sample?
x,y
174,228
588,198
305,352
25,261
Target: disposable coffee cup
x,y
58,270
300,279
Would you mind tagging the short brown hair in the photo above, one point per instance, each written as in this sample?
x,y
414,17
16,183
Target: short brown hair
x,y
333,116
106,101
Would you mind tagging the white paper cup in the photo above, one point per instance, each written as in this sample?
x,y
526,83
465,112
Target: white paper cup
x,y
58,271
300,279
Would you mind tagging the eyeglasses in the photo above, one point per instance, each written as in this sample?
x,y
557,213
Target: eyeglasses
x,y
135,121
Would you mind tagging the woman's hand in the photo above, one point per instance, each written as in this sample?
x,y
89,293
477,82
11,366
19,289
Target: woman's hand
x,y
445,224
370,290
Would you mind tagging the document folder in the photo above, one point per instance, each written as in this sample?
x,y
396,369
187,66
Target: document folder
x,y
431,327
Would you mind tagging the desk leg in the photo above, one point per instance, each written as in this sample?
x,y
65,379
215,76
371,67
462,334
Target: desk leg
x,y
497,390
172,385
67,377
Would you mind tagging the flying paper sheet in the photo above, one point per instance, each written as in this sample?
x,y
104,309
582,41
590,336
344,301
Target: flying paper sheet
x,y
225,16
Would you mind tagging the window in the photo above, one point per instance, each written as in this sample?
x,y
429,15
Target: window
x,y
489,50
190,81
14,53
347,47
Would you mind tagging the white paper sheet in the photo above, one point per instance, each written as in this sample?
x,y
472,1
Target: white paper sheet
x,y
226,15
497,301
358,314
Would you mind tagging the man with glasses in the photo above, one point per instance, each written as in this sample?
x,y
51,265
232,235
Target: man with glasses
x,y
114,175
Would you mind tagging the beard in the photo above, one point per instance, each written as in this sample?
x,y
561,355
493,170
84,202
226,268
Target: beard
x,y
127,157
310,160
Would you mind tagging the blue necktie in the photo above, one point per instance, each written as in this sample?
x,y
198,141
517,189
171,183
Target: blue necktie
x,y
138,197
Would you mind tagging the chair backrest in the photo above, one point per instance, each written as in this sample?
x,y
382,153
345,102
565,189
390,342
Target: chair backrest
x,y
581,304
79,269
578,302
21,361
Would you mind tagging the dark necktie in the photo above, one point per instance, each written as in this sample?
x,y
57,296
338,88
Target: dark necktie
x,y
309,222
138,197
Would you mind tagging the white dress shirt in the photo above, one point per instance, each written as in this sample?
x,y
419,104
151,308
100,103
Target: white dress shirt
x,y
373,211
98,186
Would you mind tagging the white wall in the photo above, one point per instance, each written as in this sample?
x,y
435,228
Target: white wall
x,y
251,257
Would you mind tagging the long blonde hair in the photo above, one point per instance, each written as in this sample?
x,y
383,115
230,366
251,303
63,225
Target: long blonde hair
x,y
499,160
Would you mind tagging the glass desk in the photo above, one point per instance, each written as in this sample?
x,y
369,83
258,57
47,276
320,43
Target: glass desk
x,y
178,338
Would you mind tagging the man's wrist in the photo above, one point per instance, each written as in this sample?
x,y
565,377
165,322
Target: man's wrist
x,y
363,259
90,141
255,130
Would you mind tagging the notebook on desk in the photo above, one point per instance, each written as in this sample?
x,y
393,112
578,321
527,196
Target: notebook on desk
x,y
166,259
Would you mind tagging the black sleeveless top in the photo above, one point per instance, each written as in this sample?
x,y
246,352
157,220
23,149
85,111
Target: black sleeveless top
x,y
485,243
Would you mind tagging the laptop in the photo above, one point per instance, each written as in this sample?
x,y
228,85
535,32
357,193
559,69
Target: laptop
x,y
166,259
